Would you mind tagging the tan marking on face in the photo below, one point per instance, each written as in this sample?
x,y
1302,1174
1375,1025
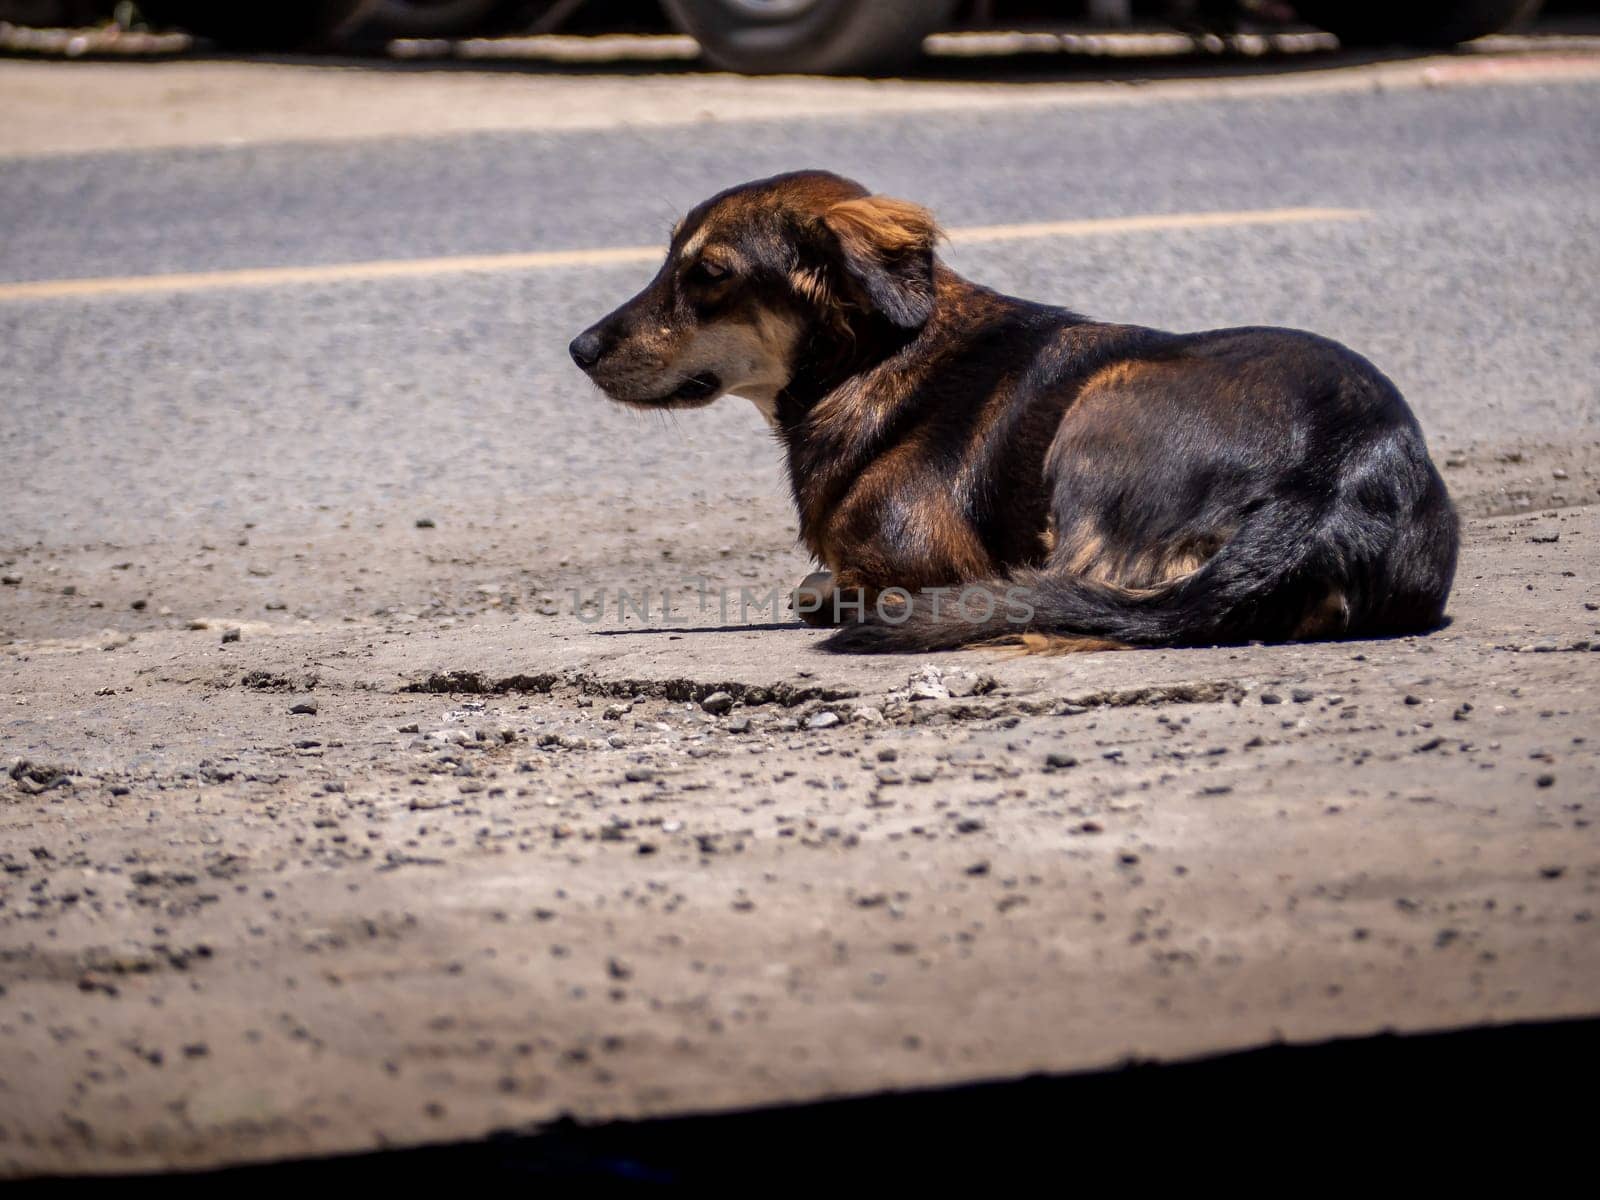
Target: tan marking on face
x,y
754,359
691,248
751,350
811,286
778,337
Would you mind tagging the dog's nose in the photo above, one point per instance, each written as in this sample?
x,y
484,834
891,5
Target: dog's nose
x,y
586,349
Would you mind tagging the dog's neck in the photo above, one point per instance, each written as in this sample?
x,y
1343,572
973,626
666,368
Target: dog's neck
x,y
853,386
837,357
857,391
833,355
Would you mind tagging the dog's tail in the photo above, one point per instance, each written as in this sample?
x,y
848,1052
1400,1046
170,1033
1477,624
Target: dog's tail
x,y
1261,584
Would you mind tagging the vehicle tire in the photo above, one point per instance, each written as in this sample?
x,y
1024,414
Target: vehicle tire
x,y
815,37
287,25
452,18
1417,23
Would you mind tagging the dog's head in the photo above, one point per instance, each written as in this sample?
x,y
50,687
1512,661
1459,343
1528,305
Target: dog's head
x,y
751,275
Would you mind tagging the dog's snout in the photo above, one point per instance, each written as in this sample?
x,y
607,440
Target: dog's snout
x,y
586,349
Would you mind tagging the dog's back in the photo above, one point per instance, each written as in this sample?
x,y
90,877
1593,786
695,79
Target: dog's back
x,y
1241,484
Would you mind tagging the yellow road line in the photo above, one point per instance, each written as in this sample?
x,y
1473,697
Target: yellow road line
x,y
544,260
1155,223
256,277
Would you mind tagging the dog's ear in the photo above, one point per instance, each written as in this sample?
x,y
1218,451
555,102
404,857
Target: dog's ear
x,y
886,247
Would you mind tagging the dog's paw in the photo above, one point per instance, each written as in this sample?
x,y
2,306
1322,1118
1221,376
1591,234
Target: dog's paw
x,y
812,600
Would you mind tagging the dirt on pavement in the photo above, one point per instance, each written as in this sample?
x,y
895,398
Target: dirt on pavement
x,y
331,844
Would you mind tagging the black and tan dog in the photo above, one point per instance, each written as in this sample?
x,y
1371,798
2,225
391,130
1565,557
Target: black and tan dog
x,y
1001,471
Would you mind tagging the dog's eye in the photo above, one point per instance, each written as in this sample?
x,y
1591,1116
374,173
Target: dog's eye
x,y
709,272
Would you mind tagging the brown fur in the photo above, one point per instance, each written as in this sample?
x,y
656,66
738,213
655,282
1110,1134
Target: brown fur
x,y
1050,645
880,226
1144,488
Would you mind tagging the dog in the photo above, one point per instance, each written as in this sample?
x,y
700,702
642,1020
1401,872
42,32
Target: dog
x,y
974,469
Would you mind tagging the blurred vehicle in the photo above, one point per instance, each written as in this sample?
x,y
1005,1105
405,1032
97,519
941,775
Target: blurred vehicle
x,y
765,36
285,25
459,18
834,36
1419,23
282,25
823,37
844,36
53,12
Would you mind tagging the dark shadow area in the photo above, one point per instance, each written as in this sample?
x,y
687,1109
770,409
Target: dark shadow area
x,y
676,630
1383,1111
997,68
1083,58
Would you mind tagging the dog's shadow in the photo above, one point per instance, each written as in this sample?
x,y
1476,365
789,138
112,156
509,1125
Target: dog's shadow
x,y
680,630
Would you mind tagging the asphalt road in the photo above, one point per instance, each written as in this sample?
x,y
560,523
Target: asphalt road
x,y
1471,284
324,828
